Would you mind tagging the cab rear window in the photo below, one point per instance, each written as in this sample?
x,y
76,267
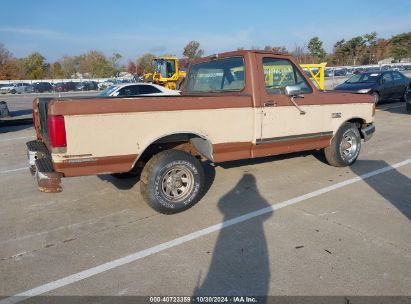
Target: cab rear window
x,y
219,75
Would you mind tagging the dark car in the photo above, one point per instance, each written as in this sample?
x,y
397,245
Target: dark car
x,y
86,86
64,86
408,99
40,87
387,85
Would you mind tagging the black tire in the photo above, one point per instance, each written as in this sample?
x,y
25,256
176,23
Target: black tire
x,y
345,146
172,181
376,97
124,175
405,95
13,91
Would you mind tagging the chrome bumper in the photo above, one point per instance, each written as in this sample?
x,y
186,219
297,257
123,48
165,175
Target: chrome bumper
x,y
368,132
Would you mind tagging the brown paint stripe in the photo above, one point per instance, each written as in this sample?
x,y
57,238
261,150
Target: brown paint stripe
x,y
290,146
243,150
147,104
96,165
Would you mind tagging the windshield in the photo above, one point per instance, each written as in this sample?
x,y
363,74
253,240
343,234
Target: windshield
x,y
166,68
364,78
217,75
108,91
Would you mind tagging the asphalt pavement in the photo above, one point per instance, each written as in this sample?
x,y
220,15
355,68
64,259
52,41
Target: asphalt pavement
x,y
287,225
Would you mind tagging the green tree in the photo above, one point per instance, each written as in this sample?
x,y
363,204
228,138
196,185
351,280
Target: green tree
x,y
34,66
145,64
315,47
370,41
114,59
400,46
56,71
95,64
192,50
356,45
276,49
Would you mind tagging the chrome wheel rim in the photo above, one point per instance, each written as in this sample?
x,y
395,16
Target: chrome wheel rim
x,y
177,183
348,146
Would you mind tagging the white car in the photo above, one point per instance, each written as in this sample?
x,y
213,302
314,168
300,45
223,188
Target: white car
x,y
136,89
15,88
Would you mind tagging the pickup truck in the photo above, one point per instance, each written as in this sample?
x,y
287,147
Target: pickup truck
x,y
235,105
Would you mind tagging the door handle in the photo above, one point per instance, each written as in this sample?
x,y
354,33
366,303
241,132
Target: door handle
x,y
270,103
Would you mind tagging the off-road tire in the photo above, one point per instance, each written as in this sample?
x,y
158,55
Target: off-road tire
x,y
161,173
348,136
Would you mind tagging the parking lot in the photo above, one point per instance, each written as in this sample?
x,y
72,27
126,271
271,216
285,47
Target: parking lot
x,y
288,225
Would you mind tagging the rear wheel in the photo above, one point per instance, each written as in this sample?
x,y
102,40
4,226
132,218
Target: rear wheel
x,y
13,91
345,146
172,181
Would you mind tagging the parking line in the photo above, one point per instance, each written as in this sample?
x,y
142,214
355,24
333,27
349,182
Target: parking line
x,y
16,138
389,108
13,170
189,237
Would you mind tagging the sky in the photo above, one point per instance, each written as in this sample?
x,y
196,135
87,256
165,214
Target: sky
x,y
56,28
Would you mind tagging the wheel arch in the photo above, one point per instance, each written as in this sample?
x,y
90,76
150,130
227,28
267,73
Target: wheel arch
x,y
358,122
191,142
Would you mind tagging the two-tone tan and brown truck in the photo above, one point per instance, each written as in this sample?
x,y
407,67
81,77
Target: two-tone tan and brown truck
x,y
235,105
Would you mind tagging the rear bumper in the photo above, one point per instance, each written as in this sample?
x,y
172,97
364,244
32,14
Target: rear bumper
x,y
41,167
368,131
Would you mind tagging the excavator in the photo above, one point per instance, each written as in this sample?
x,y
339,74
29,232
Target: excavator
x,y
167,73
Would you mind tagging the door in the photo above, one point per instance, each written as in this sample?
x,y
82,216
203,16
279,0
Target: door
x,y
288,127
399,85
387,91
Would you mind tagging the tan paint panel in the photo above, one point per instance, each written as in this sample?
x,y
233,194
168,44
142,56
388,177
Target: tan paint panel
x,y
128,133
287,121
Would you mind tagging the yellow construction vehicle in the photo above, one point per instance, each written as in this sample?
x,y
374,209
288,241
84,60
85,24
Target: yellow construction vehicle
x,y
167,73
316,73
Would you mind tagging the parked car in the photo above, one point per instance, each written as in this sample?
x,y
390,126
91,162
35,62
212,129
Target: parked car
x,y
328,72
64,86
40,87
135,89
340,72
15,88
86,86
386,85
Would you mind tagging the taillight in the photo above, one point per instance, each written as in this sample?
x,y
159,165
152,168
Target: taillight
x,y
57,131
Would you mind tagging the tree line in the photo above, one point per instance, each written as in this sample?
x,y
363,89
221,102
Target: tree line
x,y
359,50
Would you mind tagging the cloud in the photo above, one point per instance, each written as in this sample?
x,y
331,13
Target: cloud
x,y
28,31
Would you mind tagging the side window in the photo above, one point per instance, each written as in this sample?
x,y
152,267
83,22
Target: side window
x,y
279,73
397,76
387,77
129,91
148,89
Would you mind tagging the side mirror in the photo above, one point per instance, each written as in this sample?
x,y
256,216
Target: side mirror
x,y
293,90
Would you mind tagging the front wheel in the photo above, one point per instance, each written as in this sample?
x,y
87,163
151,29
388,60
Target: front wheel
x,y
376,97
345,146
172,181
